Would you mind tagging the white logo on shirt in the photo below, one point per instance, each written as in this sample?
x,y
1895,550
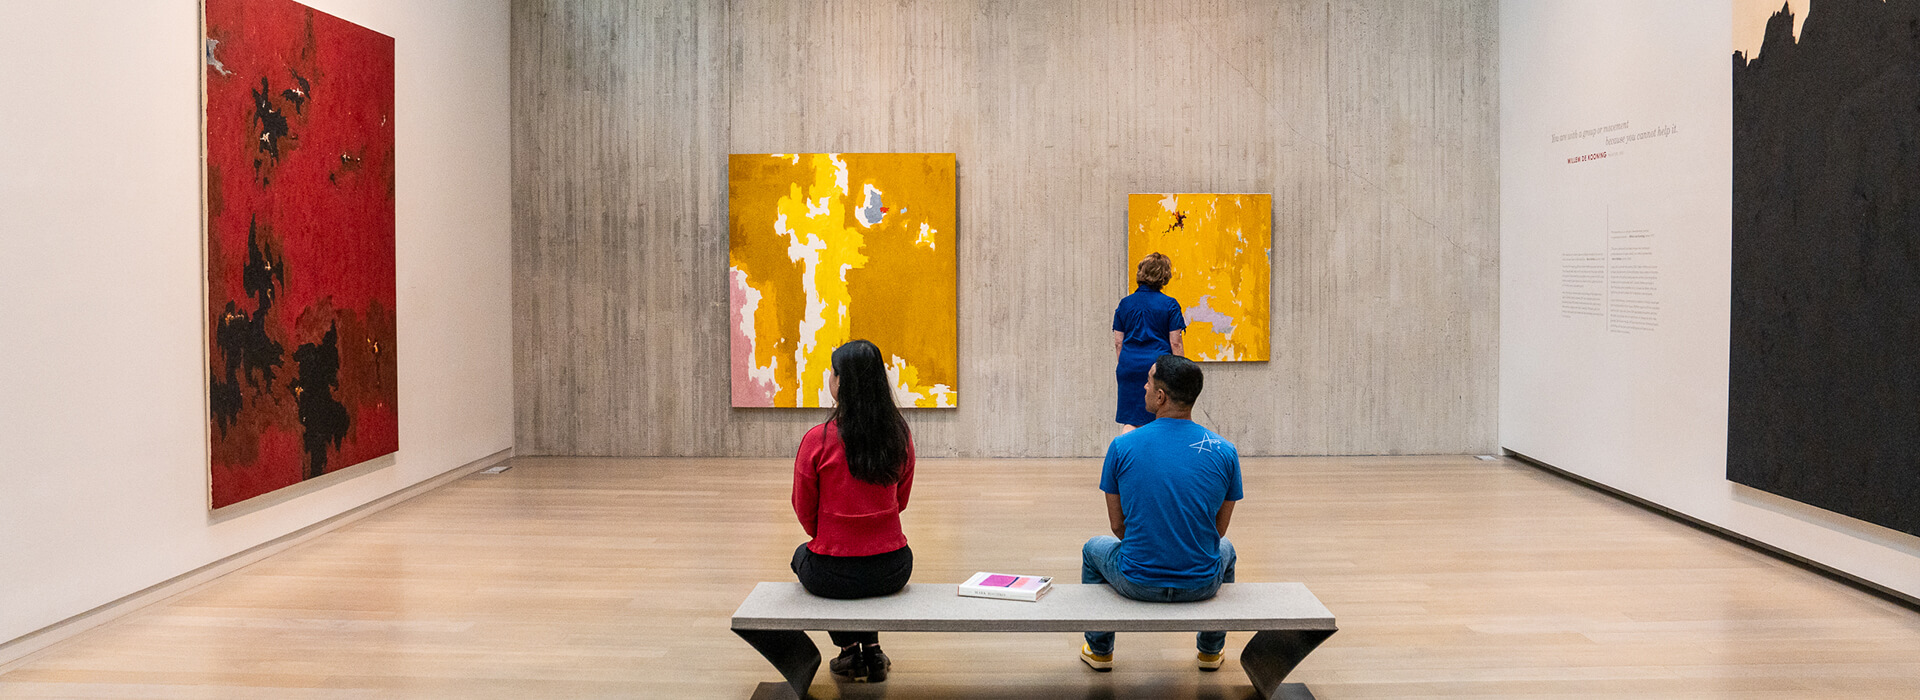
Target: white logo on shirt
x,y
1208,444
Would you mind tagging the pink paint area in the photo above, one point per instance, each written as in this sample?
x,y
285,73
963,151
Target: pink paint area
x,y
997,580
747,393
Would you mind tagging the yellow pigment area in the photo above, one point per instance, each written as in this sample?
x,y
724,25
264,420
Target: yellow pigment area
x,y
837,247
1221,248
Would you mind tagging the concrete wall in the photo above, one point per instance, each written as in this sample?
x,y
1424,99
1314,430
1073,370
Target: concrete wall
x,y
1373,123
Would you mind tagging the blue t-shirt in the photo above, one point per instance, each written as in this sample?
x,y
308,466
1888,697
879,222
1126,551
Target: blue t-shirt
x,y
1171,475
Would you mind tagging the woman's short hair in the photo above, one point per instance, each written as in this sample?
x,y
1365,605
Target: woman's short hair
x,y
1154,271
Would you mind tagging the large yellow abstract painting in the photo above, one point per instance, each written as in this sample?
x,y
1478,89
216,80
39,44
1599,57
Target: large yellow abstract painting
x,y
830,247
1221,247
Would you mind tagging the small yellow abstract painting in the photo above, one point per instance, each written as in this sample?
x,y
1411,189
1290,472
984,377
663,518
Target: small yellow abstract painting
x,y
1221,246
825,248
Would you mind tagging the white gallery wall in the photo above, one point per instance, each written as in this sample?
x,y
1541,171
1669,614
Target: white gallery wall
x,y
1616,186
103,477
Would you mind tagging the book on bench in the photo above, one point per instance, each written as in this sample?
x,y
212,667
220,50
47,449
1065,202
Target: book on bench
x,y
1006,586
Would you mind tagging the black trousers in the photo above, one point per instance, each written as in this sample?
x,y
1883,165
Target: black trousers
x,y
852,577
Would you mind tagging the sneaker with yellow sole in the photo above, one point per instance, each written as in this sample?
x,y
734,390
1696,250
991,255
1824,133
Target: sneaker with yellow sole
x,y
1098,662
1211,662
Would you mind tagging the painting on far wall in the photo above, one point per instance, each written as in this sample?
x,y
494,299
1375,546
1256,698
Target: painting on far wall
x,y
830,247
1221,249
1824,364
299,246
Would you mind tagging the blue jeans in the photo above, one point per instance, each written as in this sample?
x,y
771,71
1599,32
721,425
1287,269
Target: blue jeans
x,y
1100,563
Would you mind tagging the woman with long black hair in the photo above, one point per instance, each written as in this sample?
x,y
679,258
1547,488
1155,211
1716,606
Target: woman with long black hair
x,y
850,482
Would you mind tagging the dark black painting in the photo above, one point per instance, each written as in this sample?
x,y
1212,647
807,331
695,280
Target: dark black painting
x,y
1824,385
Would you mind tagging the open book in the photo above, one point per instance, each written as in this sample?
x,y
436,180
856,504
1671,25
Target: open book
x,y
1006,586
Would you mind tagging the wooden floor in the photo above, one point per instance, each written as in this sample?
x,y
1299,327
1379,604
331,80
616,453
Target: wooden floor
x,y
615,578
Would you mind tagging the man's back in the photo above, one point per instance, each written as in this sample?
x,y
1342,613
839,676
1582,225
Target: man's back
x,y
1172,475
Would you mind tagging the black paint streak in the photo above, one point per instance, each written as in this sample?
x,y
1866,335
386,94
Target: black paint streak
x,y
323,420
242,336
299,95
264,273
1824,381
270,124
223,397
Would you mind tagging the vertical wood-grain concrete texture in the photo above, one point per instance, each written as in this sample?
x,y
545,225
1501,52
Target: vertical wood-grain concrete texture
x,y
1372,122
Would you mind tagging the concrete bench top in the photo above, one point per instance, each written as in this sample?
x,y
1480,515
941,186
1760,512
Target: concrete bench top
x,y
1069,607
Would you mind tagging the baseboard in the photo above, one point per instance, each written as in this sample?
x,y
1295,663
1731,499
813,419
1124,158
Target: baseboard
x,y
19,651
1889,594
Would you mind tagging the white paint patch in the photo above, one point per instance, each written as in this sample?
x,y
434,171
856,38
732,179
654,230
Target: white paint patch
x,y
817,209
869,213
752,296
840,173
768,375
902,394
1167,203
806,253
215,62
926,235
826,389
1204,312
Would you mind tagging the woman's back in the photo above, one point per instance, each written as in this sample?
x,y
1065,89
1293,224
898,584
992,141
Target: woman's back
x,y
1147,319
851,479
852,518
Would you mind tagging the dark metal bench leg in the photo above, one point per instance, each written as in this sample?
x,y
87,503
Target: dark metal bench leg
x,y
1272,654
791,652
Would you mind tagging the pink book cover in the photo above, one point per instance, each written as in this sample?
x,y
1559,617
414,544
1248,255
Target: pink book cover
x,y
1011,587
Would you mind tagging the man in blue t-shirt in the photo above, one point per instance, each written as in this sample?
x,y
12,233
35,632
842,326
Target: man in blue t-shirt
x,y
1170,487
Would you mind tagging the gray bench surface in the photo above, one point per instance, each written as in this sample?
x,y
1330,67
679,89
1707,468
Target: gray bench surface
x,y
1288,622
1069,607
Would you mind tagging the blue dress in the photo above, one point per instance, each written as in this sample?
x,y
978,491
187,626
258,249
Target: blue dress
x,y
1145,319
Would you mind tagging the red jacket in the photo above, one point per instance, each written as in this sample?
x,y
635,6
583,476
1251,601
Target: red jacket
x,y
846,517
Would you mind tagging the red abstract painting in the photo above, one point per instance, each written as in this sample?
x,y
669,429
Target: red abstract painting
x,y
300,245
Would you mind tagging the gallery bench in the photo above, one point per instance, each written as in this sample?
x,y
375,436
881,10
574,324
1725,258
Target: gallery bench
x,y
1287,621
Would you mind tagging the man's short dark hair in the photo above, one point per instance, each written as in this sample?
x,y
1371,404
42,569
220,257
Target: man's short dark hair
x,y
1179,377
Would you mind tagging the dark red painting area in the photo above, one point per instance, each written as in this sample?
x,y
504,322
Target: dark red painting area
x,y
300,259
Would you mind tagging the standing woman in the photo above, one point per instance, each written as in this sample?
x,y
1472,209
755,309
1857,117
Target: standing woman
x,y
850,482
1147,324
